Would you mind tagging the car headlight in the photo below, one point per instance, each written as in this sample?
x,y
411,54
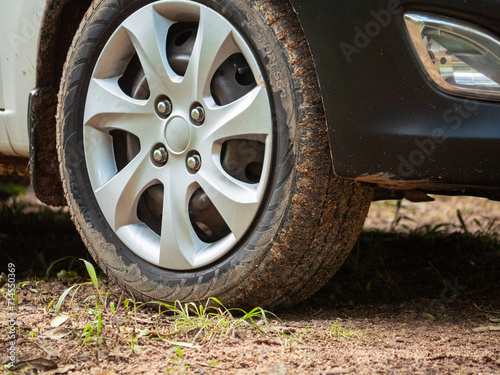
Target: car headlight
x,y
459,57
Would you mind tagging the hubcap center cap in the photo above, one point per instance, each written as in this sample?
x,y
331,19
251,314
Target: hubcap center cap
x,y
178,135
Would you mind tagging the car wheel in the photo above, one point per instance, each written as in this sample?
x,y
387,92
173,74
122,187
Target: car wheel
x,y
194,153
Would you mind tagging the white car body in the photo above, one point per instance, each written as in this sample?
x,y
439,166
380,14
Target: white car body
x,y
20,30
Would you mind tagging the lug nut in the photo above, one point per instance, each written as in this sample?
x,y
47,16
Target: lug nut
x,y
198,114
160,155
194,162
164,107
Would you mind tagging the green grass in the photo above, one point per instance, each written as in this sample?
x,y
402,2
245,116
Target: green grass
x,y
212,319
337,331
188,324
9,189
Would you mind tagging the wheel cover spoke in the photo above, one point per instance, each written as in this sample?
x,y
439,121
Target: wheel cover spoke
x,y
145,127
236,202
119,196
240,119
213,45
148,33
106,97
179,244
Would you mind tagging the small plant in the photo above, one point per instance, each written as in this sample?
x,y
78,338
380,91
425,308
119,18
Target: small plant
x,y
92,330
208,321
13,190
338,331
36,289
93,281
133,342
178,355
398,218
463,226
62,298
14,293
64,275
290,338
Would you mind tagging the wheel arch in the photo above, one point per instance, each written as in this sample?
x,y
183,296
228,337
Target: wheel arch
x,y
60,22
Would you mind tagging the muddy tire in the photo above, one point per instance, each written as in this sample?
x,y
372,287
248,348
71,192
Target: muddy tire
x,y
194,153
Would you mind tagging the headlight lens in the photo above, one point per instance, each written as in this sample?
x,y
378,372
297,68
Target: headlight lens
x,y
460,58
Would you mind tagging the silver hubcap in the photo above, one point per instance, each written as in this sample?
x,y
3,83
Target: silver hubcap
x,y
161,210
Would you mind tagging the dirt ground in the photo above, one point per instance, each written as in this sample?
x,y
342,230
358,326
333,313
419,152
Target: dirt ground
x,y
419,294
478,214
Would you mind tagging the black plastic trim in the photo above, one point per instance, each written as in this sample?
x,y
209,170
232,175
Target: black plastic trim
x,y
31,132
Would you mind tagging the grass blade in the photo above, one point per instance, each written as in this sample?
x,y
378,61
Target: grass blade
x,y
62,298
92,273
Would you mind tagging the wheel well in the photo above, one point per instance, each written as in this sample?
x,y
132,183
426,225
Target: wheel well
x,y
59,24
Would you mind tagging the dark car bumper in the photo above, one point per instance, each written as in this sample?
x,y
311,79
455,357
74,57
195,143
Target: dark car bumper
x,y
387,122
